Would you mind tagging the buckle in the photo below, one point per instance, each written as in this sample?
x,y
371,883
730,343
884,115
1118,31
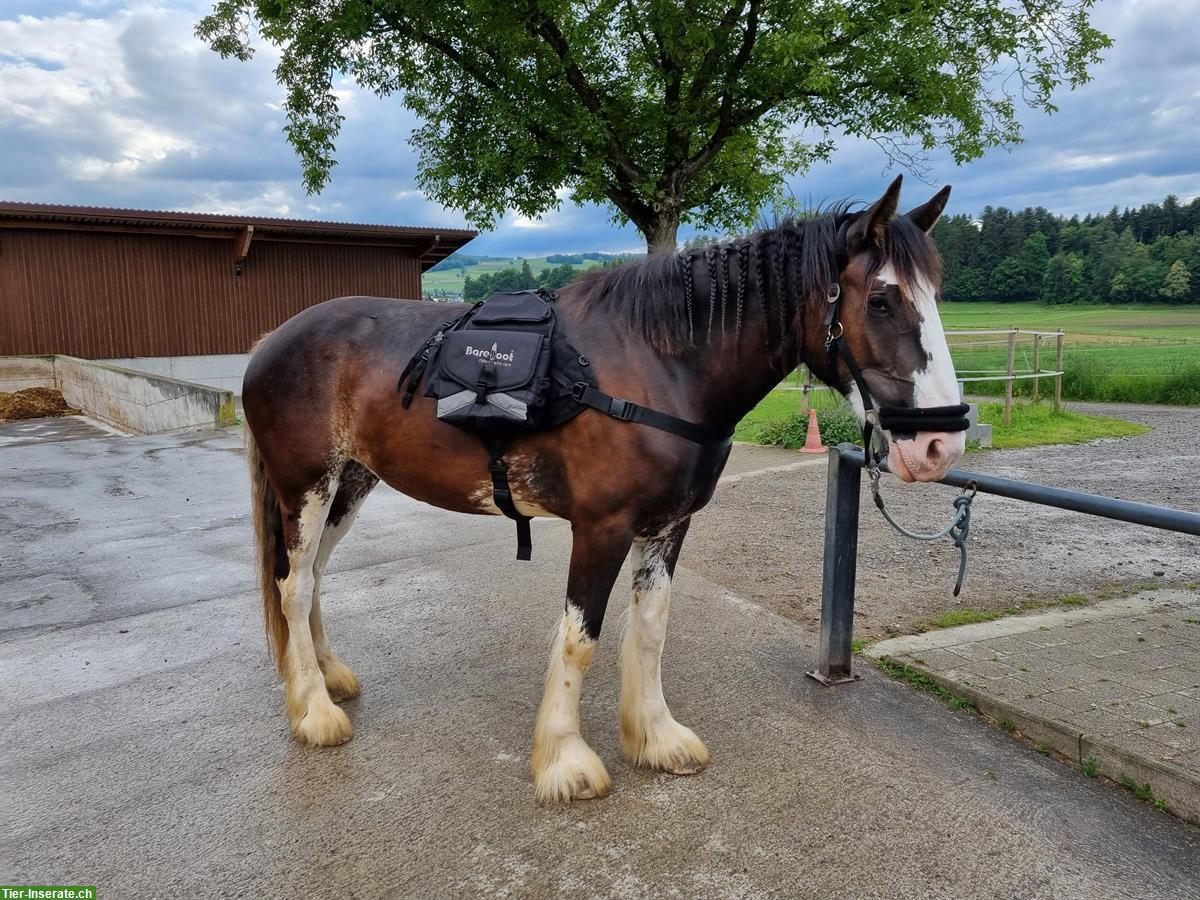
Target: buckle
x,y
620,409
577,390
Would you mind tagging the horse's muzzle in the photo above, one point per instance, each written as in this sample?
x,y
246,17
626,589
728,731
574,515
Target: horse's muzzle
x,y
926,457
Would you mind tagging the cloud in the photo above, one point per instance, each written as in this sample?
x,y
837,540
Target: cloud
x,y
118,104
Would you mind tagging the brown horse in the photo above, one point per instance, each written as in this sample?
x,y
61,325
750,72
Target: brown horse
x,y
701,335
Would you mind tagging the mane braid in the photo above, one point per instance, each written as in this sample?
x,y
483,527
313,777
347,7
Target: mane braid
x,y
724,287
780,284
760,285
710,257
743,252
688,259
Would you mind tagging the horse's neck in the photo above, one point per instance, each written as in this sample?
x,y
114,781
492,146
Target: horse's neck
x,y
730,372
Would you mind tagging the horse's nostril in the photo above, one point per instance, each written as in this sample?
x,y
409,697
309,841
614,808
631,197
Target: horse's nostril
x,y
936,451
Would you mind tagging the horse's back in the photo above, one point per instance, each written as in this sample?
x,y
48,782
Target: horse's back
x,y
340,329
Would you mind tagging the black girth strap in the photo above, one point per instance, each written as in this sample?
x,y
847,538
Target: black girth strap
x,y
502,497
627,411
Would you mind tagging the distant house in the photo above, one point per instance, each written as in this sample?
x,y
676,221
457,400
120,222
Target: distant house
x,y
187,294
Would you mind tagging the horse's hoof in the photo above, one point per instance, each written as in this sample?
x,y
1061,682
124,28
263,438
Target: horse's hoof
x,y
324,725
341,683
664,745
574,772
692,768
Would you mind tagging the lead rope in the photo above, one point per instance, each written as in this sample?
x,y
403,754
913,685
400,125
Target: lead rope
x,y
875,445
957,529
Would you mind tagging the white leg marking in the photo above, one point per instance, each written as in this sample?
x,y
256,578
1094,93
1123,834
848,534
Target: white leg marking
x,y
564,767
313,716
650,736
341,682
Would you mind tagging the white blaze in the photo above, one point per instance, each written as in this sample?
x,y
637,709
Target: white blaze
x,y
936,384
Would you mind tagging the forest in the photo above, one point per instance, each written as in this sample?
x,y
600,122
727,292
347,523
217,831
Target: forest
x,y
512,279
1146,255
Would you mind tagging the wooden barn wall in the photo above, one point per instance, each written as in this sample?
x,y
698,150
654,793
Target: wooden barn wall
x,y
98,296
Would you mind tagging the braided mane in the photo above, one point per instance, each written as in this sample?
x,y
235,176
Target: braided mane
x,y
672,300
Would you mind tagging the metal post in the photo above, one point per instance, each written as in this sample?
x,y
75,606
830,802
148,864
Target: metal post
x,y
1012,346
841,559
1037,363
1058,367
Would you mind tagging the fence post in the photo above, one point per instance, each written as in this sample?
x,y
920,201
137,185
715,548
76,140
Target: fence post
x,y
1008,393
841,559
1058,367
807,388
1037,363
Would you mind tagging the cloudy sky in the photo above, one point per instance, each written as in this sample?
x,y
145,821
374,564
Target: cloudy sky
x,y
117,104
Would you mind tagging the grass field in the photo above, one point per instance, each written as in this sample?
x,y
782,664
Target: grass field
x,y
1137,354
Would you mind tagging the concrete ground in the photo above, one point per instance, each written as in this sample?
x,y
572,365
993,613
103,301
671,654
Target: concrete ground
x,y
1117,683
59,428
146,749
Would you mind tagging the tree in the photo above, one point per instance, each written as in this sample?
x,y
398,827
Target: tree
x,y
1177,283
554,277
1064,279
528,282
670,112
1008,279
1033,257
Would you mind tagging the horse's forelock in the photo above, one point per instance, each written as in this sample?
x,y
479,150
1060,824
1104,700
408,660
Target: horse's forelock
x,y
911,254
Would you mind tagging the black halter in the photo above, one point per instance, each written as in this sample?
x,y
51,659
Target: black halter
x,y
896,419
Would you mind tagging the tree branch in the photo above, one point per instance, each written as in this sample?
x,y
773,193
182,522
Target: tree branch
x,y
708,65
480,74
548,31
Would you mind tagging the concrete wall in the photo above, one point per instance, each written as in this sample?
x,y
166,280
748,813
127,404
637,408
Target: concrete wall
x,y
223,371
20,372
139,402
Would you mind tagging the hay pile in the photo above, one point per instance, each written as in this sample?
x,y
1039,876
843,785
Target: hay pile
x,y
34,403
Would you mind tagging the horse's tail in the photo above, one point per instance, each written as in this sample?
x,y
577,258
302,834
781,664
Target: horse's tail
x,y
268,534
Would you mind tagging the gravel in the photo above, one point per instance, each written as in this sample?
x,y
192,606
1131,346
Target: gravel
x,y
762,536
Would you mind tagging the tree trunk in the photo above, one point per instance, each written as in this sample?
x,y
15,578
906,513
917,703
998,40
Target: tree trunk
x,y
660,231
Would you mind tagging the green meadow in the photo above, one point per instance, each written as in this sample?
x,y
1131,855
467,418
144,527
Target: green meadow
x,y
1093,323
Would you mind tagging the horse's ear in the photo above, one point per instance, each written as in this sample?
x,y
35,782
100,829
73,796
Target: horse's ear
x,y
926,215
870,226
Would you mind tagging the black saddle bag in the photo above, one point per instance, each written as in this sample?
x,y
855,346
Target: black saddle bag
x,y
494,369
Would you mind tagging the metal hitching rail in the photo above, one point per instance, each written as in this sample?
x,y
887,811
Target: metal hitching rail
x,y
841,540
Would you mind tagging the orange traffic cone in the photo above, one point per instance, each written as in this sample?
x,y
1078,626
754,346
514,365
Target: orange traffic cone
x,y
812,443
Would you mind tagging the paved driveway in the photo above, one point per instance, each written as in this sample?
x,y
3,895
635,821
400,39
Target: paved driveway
x,y
146,749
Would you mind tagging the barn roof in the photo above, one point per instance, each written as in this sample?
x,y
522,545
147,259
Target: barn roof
x,y
430,245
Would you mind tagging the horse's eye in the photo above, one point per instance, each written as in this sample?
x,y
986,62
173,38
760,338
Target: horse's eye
x,y
877,302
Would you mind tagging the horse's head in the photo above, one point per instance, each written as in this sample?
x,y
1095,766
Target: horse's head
x,y
887,303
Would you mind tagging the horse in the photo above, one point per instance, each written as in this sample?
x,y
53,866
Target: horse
x,y
701,334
